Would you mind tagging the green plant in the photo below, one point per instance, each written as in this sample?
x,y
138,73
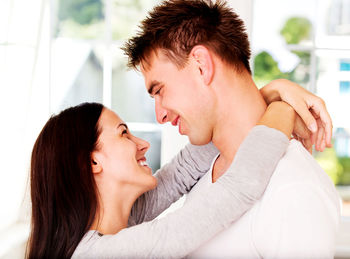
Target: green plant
x,y
296,29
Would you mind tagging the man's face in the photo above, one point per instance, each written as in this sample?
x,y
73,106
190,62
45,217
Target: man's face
x,y
181,97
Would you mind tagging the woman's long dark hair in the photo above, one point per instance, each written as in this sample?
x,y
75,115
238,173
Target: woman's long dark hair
x,y
63,189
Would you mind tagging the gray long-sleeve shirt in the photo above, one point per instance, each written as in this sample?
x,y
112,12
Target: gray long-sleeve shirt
x,y
174,180
211,211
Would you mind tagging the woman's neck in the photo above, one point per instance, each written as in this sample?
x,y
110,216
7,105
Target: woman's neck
x,y
113,212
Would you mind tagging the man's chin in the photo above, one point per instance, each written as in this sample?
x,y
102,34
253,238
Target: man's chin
x,y
199,141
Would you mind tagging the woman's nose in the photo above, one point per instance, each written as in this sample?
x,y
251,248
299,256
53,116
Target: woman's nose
x,y
142,145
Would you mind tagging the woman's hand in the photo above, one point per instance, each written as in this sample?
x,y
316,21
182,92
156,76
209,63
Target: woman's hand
x,y
313,125
281,116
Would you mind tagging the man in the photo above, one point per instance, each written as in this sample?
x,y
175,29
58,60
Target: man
x,y
194,56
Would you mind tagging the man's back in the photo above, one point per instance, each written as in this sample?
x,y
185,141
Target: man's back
x,y
298,215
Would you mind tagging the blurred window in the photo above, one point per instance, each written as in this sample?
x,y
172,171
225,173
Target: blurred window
x,y
56,54
88,64
309,43
344,87
344,65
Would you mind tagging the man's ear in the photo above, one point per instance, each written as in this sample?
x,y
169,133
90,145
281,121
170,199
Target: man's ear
x,y
204,61
95,164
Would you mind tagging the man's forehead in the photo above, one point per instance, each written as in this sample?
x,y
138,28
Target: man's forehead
x,y
152,59
149,66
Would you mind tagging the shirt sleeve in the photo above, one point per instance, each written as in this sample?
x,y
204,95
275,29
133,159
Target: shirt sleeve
x,y
207,213
174,180
301,221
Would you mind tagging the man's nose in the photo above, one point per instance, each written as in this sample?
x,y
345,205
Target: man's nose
x,y
161,113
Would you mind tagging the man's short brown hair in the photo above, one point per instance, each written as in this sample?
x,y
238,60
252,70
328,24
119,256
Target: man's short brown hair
x,y
176,26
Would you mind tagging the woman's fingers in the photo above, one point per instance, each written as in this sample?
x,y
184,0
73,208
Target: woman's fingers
x,y
300,128
307,144
302,133
308,138
318,107
311,109
305,114
320,142
313,138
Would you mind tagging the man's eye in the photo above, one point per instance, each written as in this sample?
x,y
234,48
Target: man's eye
x,y
124,132
158,91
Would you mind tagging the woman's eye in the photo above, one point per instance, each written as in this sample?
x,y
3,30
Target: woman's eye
x,y
124,132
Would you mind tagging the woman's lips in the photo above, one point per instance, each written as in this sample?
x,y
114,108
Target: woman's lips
x,y
142,162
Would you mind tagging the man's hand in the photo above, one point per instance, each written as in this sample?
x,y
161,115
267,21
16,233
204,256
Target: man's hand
x,y
313,125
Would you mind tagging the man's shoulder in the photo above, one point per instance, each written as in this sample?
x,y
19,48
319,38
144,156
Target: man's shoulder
x,y
300,209
298,170
298,166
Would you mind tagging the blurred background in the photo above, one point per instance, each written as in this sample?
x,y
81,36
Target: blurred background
x,y
59,53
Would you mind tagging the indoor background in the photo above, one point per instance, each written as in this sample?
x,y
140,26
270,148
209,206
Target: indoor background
x,y
59,53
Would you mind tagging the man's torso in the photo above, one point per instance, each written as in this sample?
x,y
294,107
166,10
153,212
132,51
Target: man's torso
x,y
263,230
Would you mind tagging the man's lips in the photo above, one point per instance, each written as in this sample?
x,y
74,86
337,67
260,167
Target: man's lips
x,y
174,122
177,122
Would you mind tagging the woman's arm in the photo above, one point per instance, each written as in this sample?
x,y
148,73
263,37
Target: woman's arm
x,y
183,172
313,124
207,213
174,179
281,116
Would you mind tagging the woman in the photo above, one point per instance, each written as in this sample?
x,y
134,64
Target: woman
x,y
87,171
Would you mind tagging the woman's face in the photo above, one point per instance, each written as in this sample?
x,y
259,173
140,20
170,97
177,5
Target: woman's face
x,y
120,156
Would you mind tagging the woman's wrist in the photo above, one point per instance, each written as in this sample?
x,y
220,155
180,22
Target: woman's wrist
x,y
281,116
272,91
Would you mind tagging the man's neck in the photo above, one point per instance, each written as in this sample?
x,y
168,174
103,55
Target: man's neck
x,y
240,106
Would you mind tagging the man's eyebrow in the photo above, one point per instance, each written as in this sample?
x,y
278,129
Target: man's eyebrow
x,y
122,124
153,84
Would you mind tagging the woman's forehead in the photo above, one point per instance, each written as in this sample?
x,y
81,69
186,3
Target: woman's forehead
x,y
109,119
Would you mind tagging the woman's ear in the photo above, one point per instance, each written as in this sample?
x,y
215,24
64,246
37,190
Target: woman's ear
x,y
204,61
95,164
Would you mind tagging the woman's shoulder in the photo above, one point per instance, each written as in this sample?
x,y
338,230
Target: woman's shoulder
x,y
85,244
